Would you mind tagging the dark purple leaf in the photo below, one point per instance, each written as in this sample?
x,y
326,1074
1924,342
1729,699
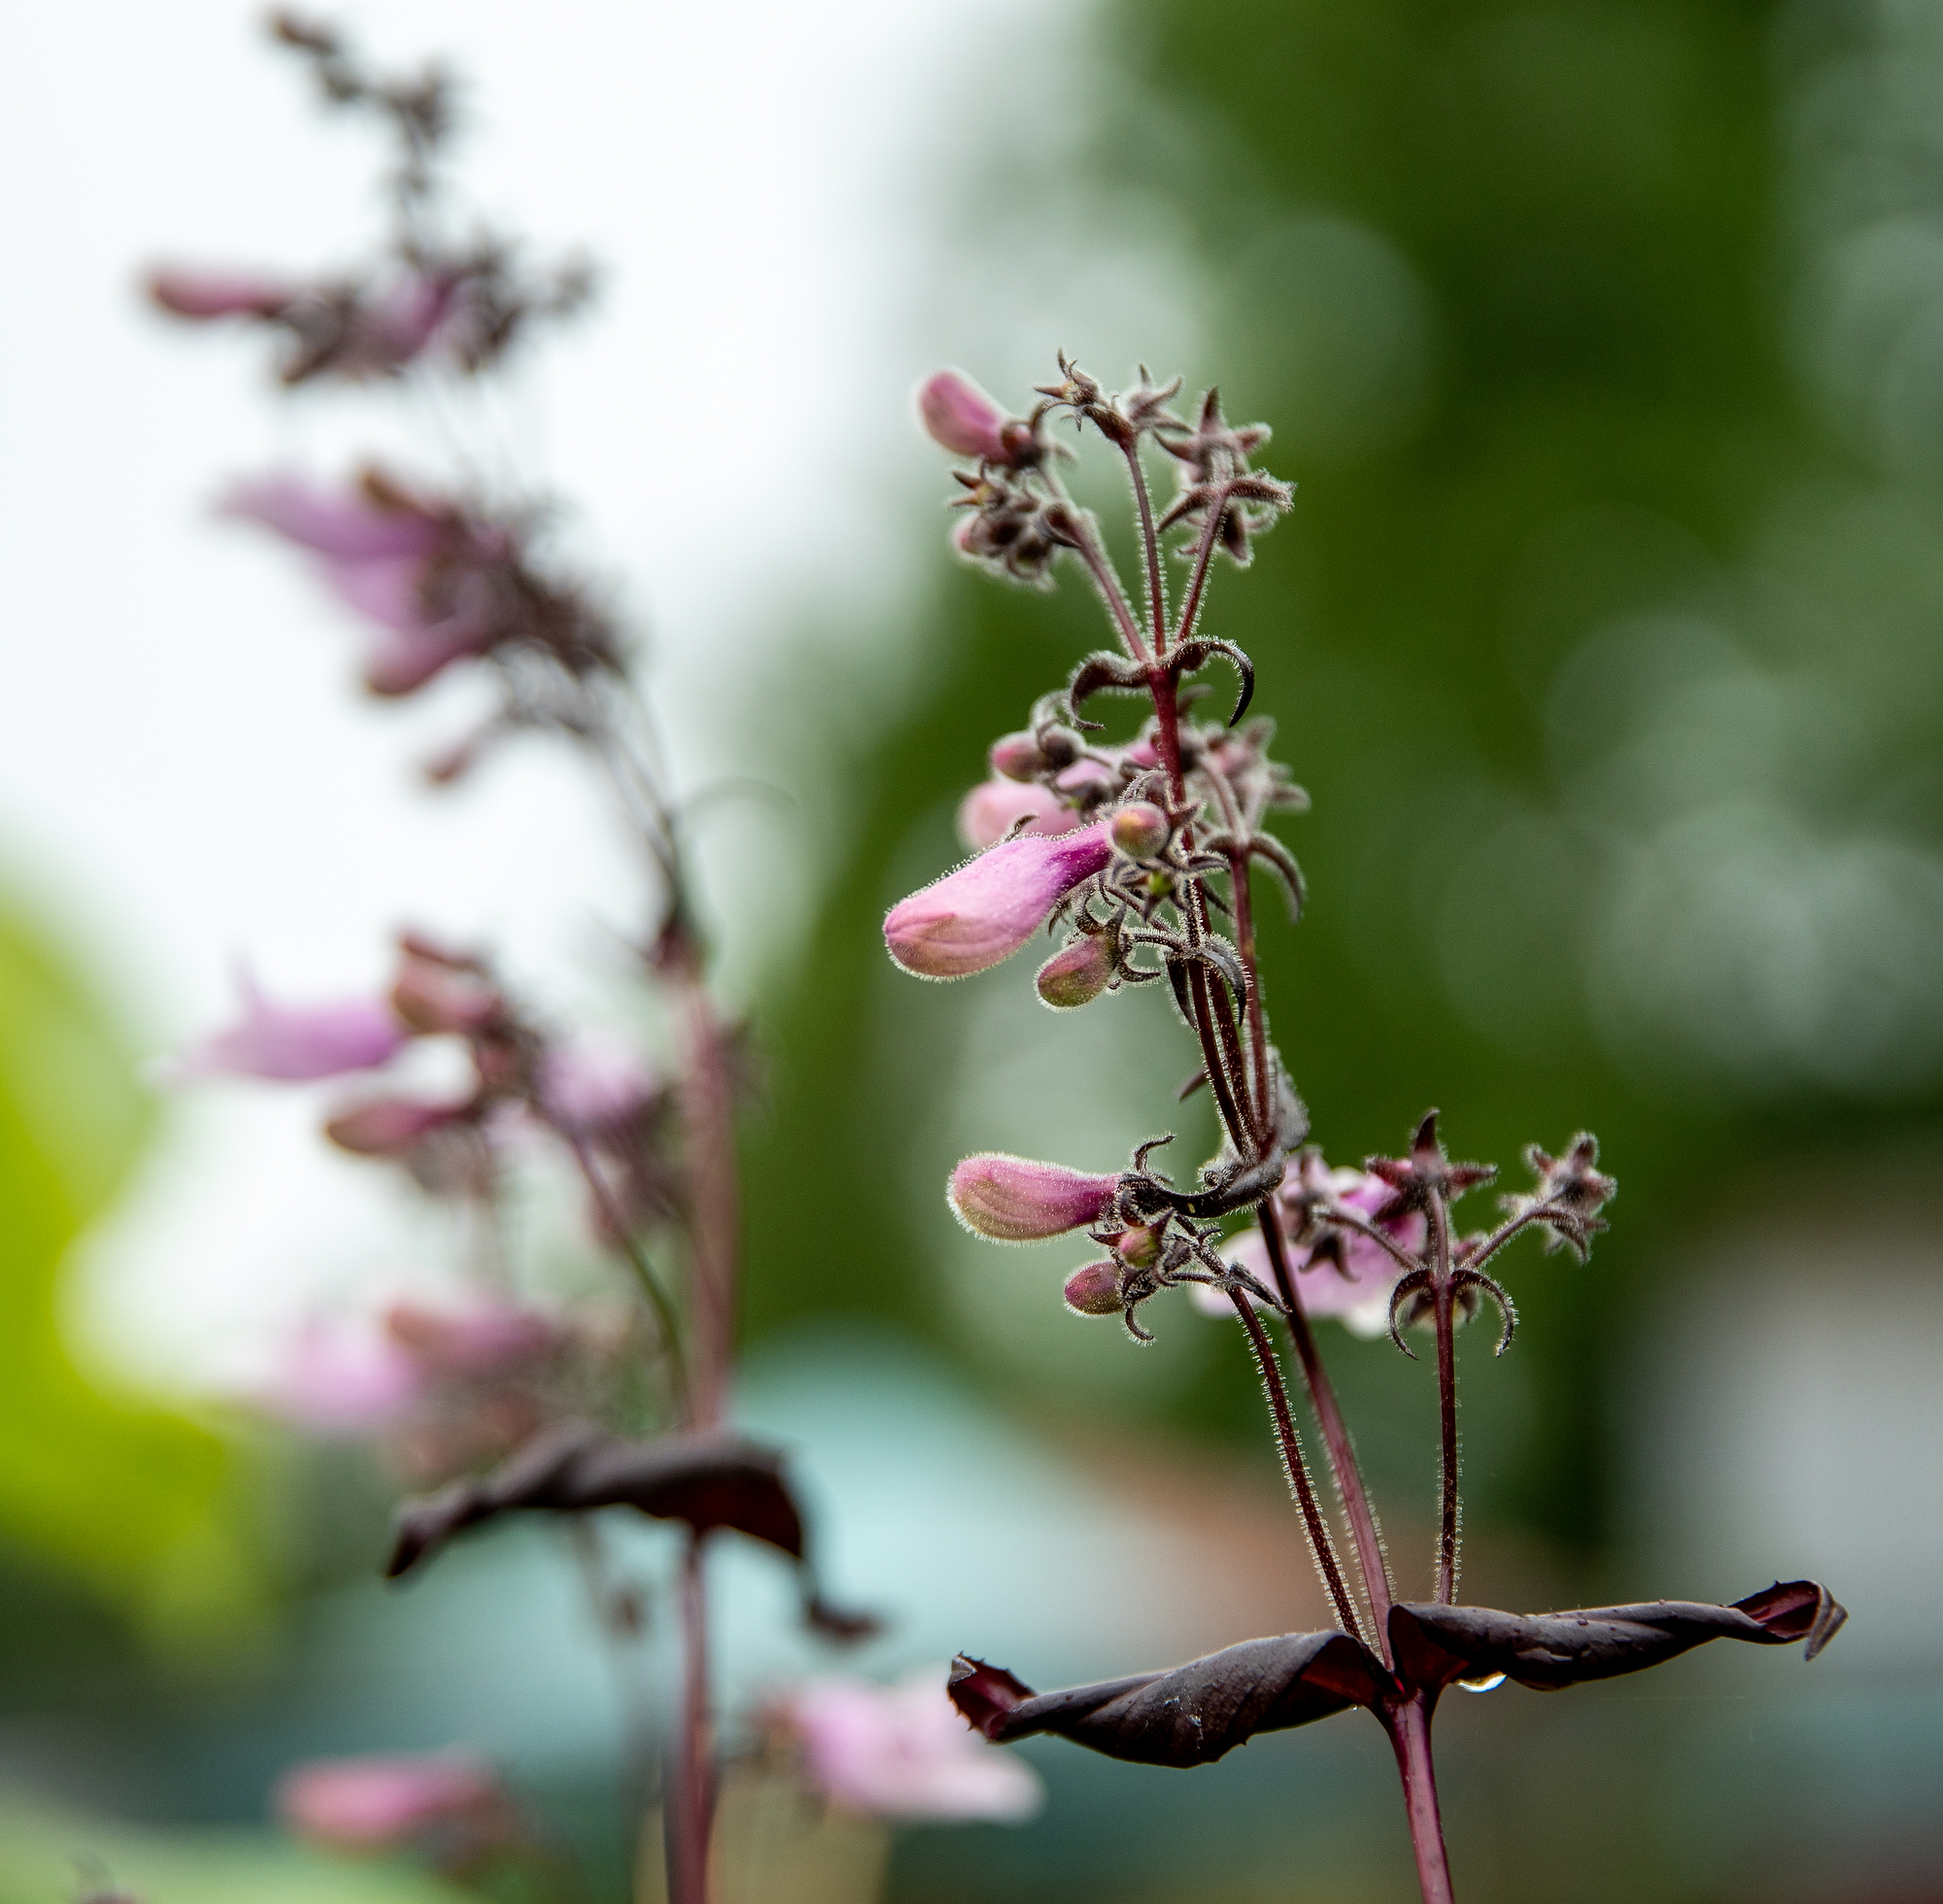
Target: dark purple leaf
x,y
707,1480
1188,1716
1435,1646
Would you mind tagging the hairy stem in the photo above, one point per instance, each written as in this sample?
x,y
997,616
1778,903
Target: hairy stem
x,y
714,1194
1348,1476
1203,556
1155,576
629,1245
1408,1727
1107,582
1321,1544
1448,1513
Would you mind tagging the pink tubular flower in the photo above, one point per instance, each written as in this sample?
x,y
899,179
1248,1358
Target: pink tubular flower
x,y
961,417
993,808
201,294
294,1044
418,574
443,1801
982,913
903,1752
1015,1200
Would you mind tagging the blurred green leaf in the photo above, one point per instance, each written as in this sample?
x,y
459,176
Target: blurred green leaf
x,y
115,1491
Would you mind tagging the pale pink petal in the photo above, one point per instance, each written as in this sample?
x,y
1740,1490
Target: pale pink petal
x,y
340,1379
345,524
485,1337
196,294
381,1803
595,1085
294,1044
993,808
903,1752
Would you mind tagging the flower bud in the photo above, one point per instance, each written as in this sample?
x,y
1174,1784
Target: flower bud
x,y
961,417
1016,757
986,912
1094,1290
1013,1200
1079,974
196,294
388,1127
1137,1246
1141,831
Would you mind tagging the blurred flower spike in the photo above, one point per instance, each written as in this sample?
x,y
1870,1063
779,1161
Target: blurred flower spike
x,y
981,914
903,1751
294,1044
1015,1200
447,1806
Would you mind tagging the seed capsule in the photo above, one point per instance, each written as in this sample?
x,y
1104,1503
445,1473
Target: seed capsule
x,y
1079,974
1094,1290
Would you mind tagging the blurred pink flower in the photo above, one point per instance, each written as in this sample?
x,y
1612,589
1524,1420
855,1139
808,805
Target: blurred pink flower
x,y
981,914
294,1044
903,1751
991,810
593,1085
961,417
417,571
1358,1291
447,1802
483,1336
205,293
341,1377
390,1127
1015,1200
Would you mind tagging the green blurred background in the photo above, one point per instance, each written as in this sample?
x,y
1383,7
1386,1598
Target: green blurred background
x,y
1605,344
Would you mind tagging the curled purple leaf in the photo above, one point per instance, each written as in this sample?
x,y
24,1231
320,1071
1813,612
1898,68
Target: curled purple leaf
x,y
1190,1716
707,1480
1434,1645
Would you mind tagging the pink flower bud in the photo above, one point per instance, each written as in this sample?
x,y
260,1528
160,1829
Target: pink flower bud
x,y
1141,831
961,417
1016,757
1079,974
981,914
218,294
1138,1245
435,998
1013,1200
1094,1290
292,1043
388,1127
440,1800
993,808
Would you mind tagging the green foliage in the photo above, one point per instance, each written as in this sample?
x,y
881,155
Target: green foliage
x,y
116,1493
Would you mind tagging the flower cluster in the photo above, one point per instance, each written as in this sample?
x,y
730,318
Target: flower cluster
x,y
429,300
1141,855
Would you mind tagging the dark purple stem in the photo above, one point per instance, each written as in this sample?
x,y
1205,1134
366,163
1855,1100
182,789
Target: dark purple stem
x,y
1408,1727
688,1791
1447,1394
1320,1544
1349,1476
